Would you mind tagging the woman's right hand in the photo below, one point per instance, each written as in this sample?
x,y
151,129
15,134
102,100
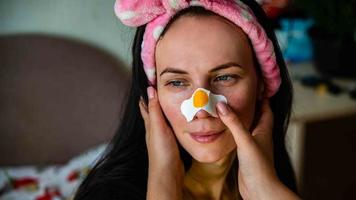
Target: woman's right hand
x,y
166,170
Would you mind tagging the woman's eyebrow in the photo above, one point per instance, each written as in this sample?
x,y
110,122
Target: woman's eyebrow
x,y
226,65
173,70
217,68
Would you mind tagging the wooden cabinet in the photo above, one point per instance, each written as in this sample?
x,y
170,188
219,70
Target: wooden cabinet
x,y
321,140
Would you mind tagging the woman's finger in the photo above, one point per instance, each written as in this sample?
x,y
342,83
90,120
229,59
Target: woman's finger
x,y
154,110
144,112
231,120
262,134
143,108
265,123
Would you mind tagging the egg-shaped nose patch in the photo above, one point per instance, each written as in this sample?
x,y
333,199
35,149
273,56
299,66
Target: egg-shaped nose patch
x,y
201,99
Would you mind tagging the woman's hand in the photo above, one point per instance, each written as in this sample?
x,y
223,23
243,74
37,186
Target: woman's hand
x,y
166,170
257,178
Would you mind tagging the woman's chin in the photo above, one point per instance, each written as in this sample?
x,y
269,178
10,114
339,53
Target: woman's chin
x,y
206,158
209,156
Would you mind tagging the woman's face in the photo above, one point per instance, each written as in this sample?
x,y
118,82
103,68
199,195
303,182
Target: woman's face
x,y
212,53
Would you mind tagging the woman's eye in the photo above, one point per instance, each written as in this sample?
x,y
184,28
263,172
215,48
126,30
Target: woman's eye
x,y
176,83
225,78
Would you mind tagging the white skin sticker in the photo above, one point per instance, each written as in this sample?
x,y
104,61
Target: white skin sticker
x,y
201,99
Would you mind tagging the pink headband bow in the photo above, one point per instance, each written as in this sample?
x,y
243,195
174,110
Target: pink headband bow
x,y
157,13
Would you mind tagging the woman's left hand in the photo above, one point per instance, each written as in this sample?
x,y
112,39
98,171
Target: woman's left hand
x,y
257,178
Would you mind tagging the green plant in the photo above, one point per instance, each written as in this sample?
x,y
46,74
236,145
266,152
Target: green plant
x,y
336,17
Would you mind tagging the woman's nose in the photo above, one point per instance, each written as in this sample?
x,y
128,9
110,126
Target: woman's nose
x,y
201,114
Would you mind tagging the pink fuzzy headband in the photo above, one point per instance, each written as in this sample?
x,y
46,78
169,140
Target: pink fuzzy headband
x,y
157,13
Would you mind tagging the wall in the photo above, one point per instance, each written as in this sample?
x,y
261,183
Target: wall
x,y
91,21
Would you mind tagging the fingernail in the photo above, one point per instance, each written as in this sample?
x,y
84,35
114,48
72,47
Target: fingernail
x,y
222,108
150,92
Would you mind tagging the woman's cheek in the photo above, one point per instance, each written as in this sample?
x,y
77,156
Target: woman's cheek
x,y
244,107
170,105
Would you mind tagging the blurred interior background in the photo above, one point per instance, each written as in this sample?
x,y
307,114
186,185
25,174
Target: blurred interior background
x,y
65,70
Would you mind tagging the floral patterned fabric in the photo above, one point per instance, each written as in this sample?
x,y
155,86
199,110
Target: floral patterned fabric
x,y
57,182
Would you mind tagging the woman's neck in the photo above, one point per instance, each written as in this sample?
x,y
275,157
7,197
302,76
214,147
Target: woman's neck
x,y
208,180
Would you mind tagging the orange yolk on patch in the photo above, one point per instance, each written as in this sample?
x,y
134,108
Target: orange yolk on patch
x,y
200,99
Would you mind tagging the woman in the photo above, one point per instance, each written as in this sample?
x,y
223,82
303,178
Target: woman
x,y
239,154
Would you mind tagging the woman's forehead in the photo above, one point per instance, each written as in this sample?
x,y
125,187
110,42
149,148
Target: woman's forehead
x,y
202,40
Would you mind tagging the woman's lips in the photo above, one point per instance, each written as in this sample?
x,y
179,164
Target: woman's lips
x,y
206,137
